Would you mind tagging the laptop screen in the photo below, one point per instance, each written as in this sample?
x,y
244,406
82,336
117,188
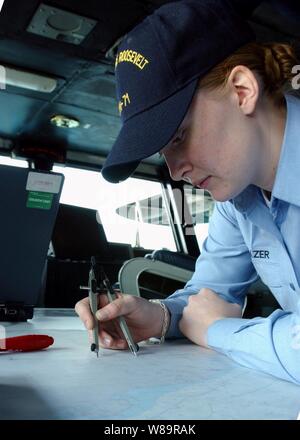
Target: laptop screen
x,y
78,235
29,202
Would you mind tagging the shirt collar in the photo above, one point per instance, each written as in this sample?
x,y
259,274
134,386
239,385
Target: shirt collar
x,y
246,200
287,175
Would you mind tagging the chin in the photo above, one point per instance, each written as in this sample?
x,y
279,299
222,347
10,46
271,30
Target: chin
x,y
220,199
222,195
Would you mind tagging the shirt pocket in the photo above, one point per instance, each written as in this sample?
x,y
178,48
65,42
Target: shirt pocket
x,y
268,272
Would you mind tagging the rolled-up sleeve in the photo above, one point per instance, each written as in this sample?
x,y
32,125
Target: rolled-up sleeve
x,y
224,266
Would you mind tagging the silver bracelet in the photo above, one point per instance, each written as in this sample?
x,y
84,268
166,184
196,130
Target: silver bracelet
x,y
166,320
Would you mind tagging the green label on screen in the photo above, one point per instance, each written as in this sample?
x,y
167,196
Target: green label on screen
x,y
39,200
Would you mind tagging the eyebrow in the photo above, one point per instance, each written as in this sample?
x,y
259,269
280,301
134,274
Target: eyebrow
x,y
172,139
176,133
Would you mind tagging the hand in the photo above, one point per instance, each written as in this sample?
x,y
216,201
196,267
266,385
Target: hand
x,y
203,310
144,319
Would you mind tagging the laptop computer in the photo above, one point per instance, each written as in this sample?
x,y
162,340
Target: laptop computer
x,y
29,201
78,235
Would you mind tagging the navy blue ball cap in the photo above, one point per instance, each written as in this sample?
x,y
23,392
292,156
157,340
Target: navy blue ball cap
x,y
158,66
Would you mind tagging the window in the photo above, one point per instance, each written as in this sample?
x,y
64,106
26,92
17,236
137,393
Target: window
x,y
5,160
131,212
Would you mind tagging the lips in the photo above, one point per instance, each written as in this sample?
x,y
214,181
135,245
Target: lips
x,y
203,183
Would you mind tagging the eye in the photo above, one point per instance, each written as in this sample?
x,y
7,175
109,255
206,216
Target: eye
x,y
179,137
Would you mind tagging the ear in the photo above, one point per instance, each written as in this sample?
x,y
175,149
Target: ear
x,y
245,88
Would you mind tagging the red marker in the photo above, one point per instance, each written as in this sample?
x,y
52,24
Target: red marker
x,y
26,343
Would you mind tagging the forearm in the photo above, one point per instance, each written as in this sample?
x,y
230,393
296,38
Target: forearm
x,y
270,345
177,302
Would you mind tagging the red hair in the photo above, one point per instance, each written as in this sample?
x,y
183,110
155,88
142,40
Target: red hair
x,y
273,62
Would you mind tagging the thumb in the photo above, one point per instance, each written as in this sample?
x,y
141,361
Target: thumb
x,y
113,310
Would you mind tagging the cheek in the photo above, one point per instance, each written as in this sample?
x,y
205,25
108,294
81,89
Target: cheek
x,y
215,147
232,158
220,148
203,153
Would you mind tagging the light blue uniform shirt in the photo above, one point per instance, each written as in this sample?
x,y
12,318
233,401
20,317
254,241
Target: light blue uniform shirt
x,y
248,239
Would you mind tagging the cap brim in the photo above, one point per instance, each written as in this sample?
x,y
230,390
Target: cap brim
x,y
147,133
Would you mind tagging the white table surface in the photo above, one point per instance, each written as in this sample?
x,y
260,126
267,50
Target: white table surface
x,y
176,381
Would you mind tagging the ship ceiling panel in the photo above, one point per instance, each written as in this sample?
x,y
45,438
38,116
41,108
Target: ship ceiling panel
x,y
92,135
114,18
38,58
93,89
16,113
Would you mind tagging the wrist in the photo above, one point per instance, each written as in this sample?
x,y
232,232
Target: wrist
x,y
164,322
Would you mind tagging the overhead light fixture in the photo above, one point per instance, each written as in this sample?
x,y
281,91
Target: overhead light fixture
x,y
27,80
63,121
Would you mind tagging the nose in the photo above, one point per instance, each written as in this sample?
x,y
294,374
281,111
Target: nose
x,y
178,168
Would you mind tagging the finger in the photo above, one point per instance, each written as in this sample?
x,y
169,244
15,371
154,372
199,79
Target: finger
x,y
119,294
118,307
102,300
106,340
82,308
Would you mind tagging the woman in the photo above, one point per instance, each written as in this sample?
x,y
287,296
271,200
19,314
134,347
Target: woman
x,y
216,109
